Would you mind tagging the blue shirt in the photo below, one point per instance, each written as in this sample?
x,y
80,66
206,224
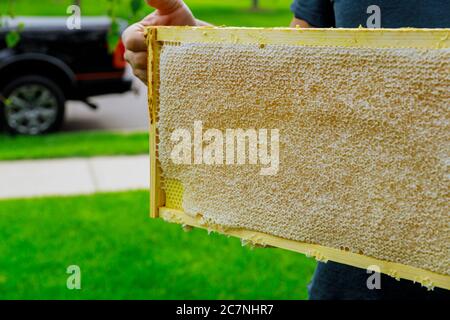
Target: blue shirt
x,y
353,13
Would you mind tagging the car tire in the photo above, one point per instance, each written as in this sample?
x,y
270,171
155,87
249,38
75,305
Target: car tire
x,y
32,105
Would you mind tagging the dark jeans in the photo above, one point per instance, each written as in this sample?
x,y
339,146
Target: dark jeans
x,y
335,281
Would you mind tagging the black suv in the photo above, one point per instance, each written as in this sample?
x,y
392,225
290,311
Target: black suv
x,y
52,64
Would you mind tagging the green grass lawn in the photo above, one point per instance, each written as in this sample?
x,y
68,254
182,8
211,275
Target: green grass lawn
x,y
83,144
229,12
123,254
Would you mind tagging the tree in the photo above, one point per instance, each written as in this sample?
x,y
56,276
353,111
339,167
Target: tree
x,y
13,36
255,4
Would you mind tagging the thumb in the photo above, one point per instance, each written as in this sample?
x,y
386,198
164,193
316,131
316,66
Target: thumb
x,y
165,6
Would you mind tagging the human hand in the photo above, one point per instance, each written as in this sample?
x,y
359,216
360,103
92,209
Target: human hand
x,y
167,13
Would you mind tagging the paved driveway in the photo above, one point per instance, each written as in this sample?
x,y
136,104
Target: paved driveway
x,y
126,111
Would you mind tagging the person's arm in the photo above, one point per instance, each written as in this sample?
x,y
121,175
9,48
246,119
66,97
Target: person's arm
x,y
299,23
201,23
167,13
313,14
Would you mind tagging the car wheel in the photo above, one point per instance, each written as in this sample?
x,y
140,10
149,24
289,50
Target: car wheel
x,y
32,105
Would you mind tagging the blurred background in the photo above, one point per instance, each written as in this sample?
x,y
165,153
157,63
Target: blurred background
x,y
74,167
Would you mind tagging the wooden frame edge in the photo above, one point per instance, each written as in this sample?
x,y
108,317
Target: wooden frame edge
x,y
427,278
156,194
358,37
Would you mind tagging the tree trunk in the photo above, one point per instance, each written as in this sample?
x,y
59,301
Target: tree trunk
x,y
255,4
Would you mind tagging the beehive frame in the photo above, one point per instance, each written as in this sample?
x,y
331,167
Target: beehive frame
x,y
363,38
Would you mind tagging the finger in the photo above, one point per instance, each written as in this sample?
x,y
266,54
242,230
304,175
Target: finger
x,y
155,20
138,60
128,57
149,20
165,6
141,75
133,38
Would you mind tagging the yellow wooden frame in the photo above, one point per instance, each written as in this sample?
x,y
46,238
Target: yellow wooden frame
x,y
358,38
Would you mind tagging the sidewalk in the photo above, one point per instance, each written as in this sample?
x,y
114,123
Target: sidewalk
x,y
30,178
